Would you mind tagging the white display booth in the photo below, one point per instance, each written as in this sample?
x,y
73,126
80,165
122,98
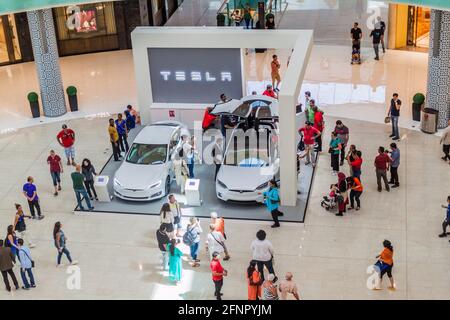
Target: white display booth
x,y
173,79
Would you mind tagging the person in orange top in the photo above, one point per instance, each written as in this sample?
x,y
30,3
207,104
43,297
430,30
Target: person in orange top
x,y
254,281
275,72
356,189
385,264
219,224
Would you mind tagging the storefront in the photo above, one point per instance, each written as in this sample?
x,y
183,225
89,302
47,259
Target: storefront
x,y
9,43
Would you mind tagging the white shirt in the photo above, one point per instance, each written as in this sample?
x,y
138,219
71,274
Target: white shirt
x,y
213,245
168,218
262,250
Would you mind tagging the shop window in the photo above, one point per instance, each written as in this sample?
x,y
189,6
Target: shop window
x,y
85,21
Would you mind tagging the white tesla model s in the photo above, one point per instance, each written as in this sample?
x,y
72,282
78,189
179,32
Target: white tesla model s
x,y
145,174
251,157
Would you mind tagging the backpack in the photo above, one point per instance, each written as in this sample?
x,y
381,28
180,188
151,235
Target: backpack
x,y
189,237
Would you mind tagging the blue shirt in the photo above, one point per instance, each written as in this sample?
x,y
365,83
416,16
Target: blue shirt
x,y
131,122
121,126
25,257
30,188
448,212
395,155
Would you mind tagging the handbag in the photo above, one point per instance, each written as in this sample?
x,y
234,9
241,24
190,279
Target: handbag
x,y
381,266
387,119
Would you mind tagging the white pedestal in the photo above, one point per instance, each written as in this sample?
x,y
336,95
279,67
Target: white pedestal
x,y
192,192
101,186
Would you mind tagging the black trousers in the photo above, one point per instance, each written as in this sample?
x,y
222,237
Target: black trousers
x,y
218,284
13,277
354,196
343,153
116,151
394,176
275,214
335,162
123,142
90,188
446,149
269,266
319,143
444,226
34,205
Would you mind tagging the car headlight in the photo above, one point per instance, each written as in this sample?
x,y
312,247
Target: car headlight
x,y
155,185
116,181
222,184
263,186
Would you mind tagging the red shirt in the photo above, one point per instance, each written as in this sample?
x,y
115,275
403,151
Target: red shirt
x,y
67,137
269,93
54,163
308,134
357,163
318,121
216,267
382,161
208,119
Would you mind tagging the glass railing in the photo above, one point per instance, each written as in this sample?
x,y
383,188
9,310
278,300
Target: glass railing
x,y
228,7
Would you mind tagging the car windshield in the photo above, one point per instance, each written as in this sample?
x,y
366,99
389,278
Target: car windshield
x,y
147,153
249,150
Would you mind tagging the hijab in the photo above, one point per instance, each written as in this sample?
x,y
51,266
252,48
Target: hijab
x,y
341,177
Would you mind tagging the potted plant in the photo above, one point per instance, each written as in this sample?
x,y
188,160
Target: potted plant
x,y
33,99
417,106
72,95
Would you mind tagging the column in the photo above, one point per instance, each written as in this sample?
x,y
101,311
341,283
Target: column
x,y
438,90
45,51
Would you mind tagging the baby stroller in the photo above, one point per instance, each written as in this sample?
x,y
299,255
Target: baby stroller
x,y
356,52
329,201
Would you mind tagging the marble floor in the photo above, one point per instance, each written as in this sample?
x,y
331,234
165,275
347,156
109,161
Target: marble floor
x,y
329,256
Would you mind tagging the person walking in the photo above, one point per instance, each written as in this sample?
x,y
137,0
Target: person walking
x,y
166,219
381,25
445,141
309,135
20,226
376,39
385,264
175,262
6,266
188,152
56,168
163,240
114,139
11,240
343,194
381,163
263,253
254,281
335,150
79,188
122,130
26,265
88,171
66,139
319,124
394,114
344,135
215,242
176,211
310,110
356,34
446,220
218,272
269,288
219,223
30,192
195,230
272,202
181,170
394,164
60,240
248,18
288,287
356,190
275,72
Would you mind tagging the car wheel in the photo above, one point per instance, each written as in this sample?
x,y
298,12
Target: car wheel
x,y
167,185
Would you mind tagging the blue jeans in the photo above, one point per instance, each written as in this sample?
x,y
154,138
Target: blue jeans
x,y
194,250
56,177
191,170
83,192
357,173
394,120
66,252
165,260
26,284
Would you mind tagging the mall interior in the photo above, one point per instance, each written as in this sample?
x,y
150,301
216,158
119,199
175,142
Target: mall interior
x,y
81,63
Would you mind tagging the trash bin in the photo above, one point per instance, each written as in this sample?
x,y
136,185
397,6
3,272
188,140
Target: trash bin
x,y
192,192
101,186
429,120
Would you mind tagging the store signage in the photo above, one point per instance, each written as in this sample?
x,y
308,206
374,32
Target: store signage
x,y
194,75
172,113
12,6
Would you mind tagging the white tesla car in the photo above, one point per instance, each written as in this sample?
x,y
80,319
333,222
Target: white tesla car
x,y
146,172
251,157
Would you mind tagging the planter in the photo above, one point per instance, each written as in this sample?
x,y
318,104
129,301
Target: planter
x,y
33,99
417,106
72,96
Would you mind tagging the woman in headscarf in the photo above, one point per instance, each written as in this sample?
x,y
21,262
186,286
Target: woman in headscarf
x,y
343,194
